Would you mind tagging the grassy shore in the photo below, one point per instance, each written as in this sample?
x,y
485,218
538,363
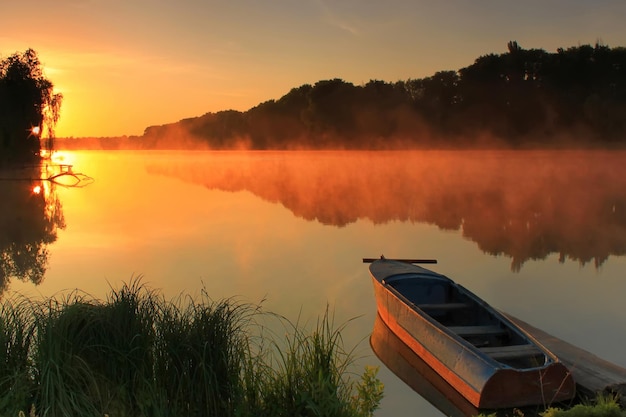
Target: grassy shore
x,y
138,354
604,405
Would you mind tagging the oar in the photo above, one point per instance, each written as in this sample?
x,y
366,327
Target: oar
x,y
411,261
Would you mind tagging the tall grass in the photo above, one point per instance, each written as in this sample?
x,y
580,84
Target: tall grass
x,y
306,374
91,355
17,328
198,358
137,354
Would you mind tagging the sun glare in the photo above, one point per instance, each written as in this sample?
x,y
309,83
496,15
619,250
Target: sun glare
x,y
35,130
62,158
37,189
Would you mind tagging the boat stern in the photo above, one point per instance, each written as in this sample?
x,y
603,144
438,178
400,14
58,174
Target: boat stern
x,y
545,386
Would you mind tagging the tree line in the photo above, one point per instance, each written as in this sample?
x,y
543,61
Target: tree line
x,y
524,97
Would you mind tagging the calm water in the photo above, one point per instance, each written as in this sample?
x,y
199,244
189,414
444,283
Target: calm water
x,y
540,235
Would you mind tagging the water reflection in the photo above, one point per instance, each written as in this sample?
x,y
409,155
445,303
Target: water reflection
x,y
525,205
416,373
30,215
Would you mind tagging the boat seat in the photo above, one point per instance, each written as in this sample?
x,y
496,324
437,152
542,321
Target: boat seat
x,y
466,331
511,352
444,306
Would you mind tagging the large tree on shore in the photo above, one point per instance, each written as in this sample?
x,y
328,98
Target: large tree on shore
x,y
29,108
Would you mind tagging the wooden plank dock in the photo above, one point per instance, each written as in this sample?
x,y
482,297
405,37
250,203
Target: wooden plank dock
x,y
592,374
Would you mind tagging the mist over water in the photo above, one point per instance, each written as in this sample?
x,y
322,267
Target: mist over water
x,y
525,205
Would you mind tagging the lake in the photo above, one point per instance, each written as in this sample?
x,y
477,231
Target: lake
x,y
538,234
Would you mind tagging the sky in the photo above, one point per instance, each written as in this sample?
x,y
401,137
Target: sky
x,y
124,65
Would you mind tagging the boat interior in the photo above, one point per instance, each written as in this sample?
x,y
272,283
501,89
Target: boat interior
x,y
469,318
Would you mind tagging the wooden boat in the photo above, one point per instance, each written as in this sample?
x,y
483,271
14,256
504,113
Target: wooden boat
x,y
483,355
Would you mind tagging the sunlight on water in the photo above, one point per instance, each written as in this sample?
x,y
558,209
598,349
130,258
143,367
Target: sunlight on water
x,y
540,235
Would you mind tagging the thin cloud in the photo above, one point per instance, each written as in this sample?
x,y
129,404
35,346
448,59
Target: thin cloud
x,y
334,19
343,25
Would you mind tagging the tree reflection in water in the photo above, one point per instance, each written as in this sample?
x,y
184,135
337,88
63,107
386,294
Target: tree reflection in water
x,y
521,204
30,215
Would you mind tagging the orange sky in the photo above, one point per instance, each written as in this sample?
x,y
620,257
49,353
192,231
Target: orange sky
x,y
123,65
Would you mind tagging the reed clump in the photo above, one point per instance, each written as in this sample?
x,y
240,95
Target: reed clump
x,y
138,354
604,405
304,374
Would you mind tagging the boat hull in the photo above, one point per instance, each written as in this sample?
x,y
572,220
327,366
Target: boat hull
x,y
483,381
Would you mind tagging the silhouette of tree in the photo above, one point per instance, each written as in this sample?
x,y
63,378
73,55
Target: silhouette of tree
x,y
329,114
27,101
276,124
484,95
436,98
379,113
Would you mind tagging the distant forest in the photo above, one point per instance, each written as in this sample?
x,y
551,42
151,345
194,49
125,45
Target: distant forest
x,y
521,98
